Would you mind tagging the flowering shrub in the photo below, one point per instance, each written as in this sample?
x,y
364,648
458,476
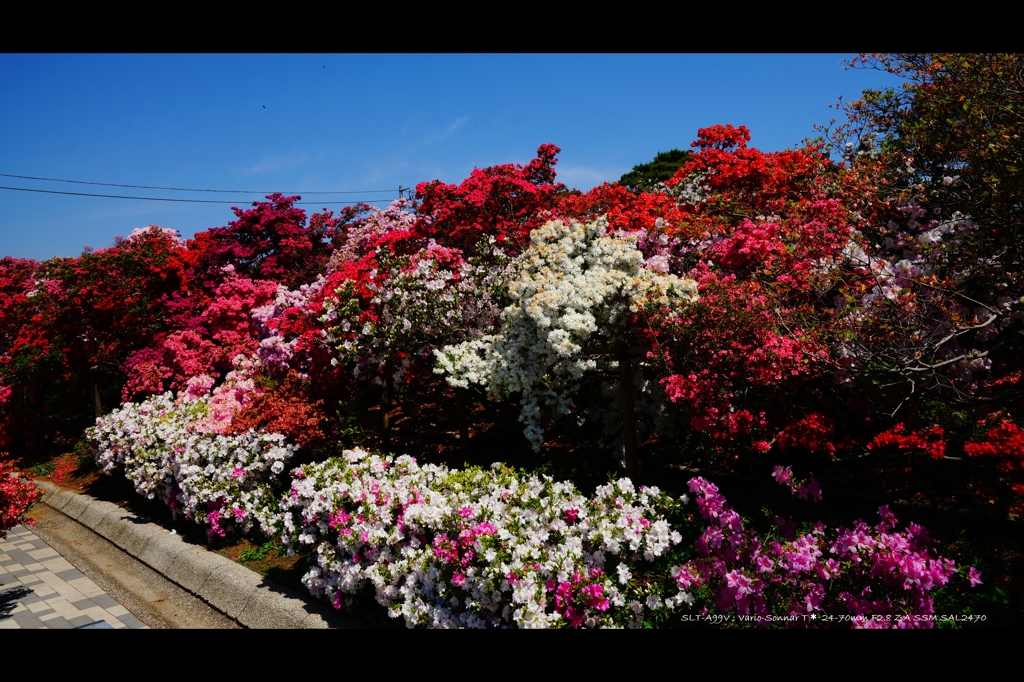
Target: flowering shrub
x,y
802,489
271,240
208,343
16,285
386,312
506,202
909,275
286,339
381,227
929,440
286,410
16,496
494,548
1005,445
71,322
178,451
749,228
574,282
624,210
478,548
870,576
932,302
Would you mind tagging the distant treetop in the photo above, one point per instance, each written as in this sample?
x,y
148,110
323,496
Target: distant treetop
x,y
663,167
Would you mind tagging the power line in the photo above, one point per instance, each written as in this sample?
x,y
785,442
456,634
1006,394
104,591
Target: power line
x,y
189,201
185,189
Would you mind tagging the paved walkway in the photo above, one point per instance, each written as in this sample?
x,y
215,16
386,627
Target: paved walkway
x,y
40,589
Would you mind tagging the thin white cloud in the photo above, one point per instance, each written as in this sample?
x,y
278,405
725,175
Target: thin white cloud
x,y
274,163
264,166
459,122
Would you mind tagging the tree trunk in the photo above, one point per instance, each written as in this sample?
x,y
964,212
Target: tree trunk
x,y
460,412
628,418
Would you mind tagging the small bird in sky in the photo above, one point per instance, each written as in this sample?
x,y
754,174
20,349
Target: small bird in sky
x,y
264,106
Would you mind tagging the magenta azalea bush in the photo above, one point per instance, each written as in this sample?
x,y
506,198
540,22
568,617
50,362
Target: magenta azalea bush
x,y
868,576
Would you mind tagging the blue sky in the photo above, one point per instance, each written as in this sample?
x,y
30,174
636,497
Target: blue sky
x,y
360,122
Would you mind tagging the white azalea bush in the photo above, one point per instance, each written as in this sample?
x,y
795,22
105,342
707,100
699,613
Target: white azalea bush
x,y
446,548
177,451
575,282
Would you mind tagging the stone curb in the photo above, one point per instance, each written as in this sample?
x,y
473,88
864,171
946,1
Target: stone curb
x,y
253,600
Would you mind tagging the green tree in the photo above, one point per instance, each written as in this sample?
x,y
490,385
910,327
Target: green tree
x,y
663,167
948,140
953,129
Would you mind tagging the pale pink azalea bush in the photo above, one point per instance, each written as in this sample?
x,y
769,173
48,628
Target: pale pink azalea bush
x,y
179,451
396,219
156,231
277,352
909,270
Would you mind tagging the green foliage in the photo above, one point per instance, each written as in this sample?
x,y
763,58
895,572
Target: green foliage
x,y
663,167
259,553
998,598
43,469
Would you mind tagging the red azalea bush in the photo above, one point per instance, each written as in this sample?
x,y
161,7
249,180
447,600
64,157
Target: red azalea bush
x,y
625,209
752,229
272,241
1003,444
74,322
16,496
505,202
285,410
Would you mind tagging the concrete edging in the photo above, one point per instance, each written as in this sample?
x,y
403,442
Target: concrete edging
x,y
253,600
